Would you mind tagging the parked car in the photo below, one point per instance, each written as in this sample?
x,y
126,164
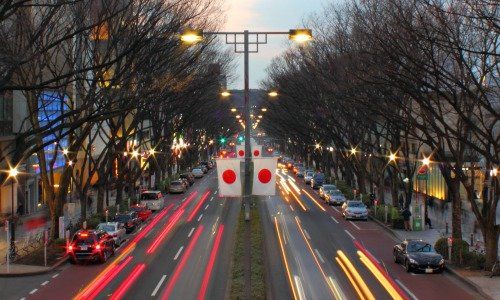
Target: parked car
x,y
198,173
90,245
142,211
297,167
115,229
130,220
188,176
206,164
354,209
335,197
308,176
153,200
317,180
325,189
177,186
417,255
203,168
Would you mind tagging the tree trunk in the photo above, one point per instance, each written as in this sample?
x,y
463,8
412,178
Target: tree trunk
x,y
490,235
456,212
100,198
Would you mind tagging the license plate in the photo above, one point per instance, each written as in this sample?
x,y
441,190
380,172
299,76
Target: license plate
x,y
84,248
428,270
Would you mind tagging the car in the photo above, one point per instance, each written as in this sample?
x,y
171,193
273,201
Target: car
x,y
418,256
297,167
130,220
308,176
90,245
354,209
115,229
177,186
142,211
153,200
335,197
300,172
317,180
188,176
207,164
325,189
198,173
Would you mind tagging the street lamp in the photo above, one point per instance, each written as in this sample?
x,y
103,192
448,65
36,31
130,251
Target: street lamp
x,y
264,109
392,157
192,36
233,109
353,151
225,94
13,172
65,151
273,94
426,161
300,35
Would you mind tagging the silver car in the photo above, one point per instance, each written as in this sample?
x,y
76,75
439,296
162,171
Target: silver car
x,y
197,173
308,177
355,209
115,229
335,197
153,200
177,186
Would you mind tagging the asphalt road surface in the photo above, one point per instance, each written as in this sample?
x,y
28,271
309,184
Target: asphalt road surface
x,y
180,253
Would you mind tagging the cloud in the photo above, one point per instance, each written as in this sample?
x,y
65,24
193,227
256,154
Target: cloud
x,y
241,14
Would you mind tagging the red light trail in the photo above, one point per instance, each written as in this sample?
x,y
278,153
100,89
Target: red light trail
x,y
211,262
198,206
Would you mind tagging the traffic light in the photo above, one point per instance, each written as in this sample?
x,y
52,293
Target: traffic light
x,y
223,140
241,138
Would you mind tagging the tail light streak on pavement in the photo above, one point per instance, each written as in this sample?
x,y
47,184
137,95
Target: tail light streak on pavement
x,y
198,206
211,262
129,281
283,255
354,277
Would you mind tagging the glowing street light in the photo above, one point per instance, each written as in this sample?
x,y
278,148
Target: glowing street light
x,y
494,172
135,153
225,94
13,172
238,116
65,151
426,161
392,157
264,109
273,94
317,146
353,151
260,116
191,36
233,109
300,35
152,151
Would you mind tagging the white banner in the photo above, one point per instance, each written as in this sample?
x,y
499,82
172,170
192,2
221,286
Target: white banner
x,y
264,176
229,177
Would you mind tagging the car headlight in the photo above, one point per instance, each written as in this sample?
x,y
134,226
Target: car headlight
x,y
441,262
413,261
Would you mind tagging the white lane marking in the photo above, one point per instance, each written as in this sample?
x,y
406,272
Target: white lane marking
x,y
33,291
334,220
199,218
23,298
307,234
291,207
407,290
55,275
211,198
207,206
300,290
349,234
319,255
45,283
191,232
215,192
178,253
357,227
336,209
157,288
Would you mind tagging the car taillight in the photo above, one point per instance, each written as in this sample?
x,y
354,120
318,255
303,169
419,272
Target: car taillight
x,y
97,247
70,248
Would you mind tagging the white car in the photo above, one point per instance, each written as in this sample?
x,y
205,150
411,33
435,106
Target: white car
x,y
355,209
115,229
153,200
197,173
308,177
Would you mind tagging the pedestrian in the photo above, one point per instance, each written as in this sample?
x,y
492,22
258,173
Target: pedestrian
x,y
427,219
20,209
406,217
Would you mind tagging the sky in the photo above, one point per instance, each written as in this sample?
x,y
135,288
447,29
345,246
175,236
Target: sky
x,y
265,15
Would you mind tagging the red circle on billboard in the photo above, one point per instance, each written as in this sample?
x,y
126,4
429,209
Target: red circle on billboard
x,y
241,153
229,176
256,153
264,175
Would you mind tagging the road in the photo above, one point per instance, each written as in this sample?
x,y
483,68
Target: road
x,y
177,254
326,257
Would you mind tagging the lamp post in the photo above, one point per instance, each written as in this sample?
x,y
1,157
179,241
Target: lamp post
x,y
13,172
231,38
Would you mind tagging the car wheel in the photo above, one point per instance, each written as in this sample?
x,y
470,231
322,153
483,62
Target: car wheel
x,y
407,266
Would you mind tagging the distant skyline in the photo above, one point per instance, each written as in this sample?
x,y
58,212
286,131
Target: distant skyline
x,y
265,15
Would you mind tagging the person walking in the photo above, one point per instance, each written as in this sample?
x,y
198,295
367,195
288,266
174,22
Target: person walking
x,y
427,219
406,218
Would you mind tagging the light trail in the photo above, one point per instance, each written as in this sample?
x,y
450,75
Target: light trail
x,y
188,200
299,202
152,224
283,254
180,267
198,206
211,262
333,288
383,281
294,186
350,278
166,230
95,292
314,200
356,276
123,288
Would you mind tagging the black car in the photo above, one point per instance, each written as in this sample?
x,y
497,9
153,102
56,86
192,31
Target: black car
x,y
188,176
91,245
418,256
317,180
130,220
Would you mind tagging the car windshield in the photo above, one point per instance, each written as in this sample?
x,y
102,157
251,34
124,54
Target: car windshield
x,y
106,227
355,204
309,174
176,183
336,193
123,218
420,247
148,196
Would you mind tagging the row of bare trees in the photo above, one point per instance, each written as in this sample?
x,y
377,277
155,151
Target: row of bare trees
x,y
100,83
416,78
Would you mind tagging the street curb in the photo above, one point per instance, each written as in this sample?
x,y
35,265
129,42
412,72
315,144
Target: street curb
x,y
385,227
449,270
64,259
467,282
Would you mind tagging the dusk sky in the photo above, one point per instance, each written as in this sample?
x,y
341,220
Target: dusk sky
x,y
266,15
